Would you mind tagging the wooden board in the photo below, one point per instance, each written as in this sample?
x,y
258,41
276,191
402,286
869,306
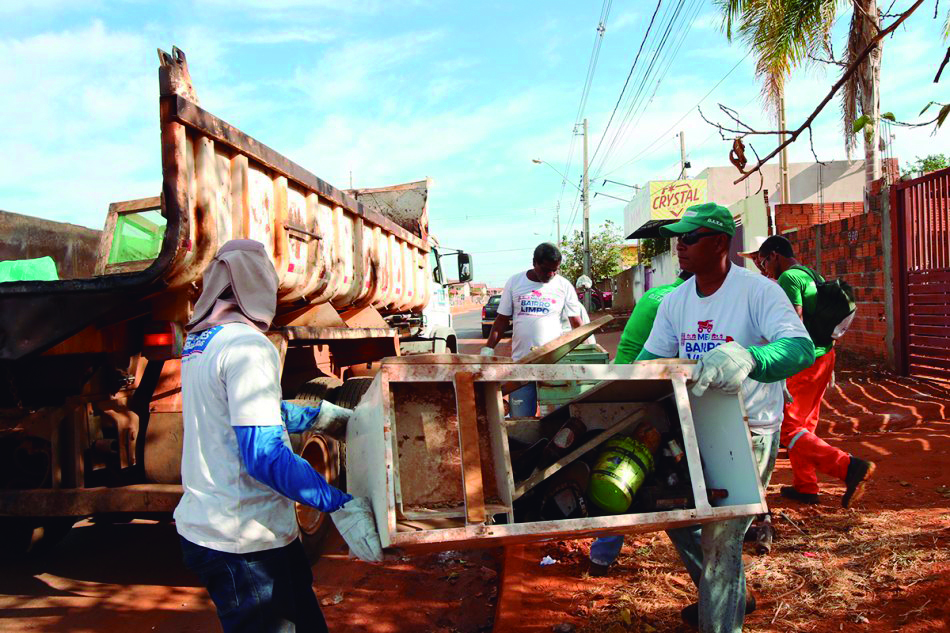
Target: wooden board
x,y
557,349
472,485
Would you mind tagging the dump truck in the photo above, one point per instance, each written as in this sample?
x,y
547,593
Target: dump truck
x,y
90,393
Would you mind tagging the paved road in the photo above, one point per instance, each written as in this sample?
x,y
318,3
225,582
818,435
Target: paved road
x,y
468,326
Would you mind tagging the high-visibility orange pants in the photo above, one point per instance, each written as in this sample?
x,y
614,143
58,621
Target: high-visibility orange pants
x,y
807,452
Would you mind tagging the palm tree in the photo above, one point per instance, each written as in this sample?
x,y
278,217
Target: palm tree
x,y
785,34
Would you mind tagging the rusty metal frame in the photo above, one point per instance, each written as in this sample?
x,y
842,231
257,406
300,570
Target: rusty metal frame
x,y
79,502
372,440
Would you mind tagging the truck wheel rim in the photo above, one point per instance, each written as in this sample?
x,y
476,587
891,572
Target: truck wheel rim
x,y
317,453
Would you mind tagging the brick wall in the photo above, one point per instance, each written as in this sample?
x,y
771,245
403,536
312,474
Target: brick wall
x,y
852,249
800,216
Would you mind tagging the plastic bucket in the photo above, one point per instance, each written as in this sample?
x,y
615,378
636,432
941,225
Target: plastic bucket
x,y
620,470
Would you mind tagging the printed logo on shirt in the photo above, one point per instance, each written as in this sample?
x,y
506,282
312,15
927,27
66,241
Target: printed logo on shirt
x,y
195,344
703,340
535,303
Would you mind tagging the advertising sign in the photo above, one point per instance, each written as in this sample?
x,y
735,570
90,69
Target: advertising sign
x,y
670,198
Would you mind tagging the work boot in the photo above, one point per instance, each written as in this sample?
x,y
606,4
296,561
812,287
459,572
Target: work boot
x,y
859,472
789,492
690,614
597,570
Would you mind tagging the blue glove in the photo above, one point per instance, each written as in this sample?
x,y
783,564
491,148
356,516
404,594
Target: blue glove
x,y
268,460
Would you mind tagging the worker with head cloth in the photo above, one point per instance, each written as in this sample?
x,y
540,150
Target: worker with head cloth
x,y
236,518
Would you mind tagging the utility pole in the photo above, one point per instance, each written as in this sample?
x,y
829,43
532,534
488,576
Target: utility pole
x,y
783,156
557,216
588,293
682,156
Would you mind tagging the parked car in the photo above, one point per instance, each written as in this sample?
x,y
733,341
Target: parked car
x,y
489,312
599,300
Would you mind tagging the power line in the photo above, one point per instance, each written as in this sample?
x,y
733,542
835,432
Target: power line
x,y
668,47
588,82
627,82
678,121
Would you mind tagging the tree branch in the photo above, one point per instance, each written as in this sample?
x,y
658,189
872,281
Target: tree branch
x,y
852,68
946,58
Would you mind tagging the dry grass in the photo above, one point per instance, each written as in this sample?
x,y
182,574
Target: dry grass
x,y
834,576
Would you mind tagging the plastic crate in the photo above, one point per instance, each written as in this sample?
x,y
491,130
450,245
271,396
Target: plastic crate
x,y
557,393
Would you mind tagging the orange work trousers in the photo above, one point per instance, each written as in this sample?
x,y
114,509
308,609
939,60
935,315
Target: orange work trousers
x,y
807,452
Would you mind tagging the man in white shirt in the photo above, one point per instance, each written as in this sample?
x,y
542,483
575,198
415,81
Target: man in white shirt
x,y
534,301
746,337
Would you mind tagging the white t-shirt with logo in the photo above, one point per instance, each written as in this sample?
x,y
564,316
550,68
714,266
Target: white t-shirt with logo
x,y
230,376
535,309
749,309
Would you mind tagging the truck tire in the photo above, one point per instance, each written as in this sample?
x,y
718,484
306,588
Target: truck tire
x,y
317,390
25,536
486,330
444,341
352,391
324,454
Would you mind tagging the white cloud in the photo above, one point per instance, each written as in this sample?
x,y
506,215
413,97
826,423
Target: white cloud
x,y
622,22
708,21
32,6
356,70
285,36
270,6
85,103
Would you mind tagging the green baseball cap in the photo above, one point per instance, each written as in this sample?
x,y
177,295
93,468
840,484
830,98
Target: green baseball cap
x,y
710,215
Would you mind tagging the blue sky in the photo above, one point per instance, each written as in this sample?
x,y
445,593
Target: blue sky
x,y
465,94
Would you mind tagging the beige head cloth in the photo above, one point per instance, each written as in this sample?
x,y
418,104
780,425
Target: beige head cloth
x,y
243,268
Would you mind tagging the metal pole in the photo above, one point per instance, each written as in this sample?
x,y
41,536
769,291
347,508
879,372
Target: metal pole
x,y
682,156
557,216
783,156
587,295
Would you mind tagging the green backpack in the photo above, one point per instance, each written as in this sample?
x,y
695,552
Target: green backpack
x,y
833,312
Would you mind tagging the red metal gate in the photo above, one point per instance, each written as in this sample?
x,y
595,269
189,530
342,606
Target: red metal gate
x,y
923,232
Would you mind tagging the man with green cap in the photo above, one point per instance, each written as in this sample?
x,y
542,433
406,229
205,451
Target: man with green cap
x,y
745,336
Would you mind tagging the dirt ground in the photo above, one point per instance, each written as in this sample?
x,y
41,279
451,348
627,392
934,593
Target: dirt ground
x,y
881,566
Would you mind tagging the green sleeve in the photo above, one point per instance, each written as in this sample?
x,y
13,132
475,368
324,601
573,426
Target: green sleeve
x,y
637,330
647,355
781,359
792,286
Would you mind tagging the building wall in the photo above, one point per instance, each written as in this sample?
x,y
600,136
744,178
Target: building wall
x,y
753,213
852,249
789,217
624,287
835,181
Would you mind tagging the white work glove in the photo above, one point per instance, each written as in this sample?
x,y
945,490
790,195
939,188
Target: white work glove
x,y
486,351
786,394
332,420
355,523
725,368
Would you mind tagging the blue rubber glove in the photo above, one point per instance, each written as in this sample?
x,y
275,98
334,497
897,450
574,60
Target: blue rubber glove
x,y
268,460
326,418
298,418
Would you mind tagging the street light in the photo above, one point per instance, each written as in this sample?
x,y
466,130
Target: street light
x,y
538,161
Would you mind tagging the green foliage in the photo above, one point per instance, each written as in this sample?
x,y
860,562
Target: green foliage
x,y
605,259
860,122
650,247
929,163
